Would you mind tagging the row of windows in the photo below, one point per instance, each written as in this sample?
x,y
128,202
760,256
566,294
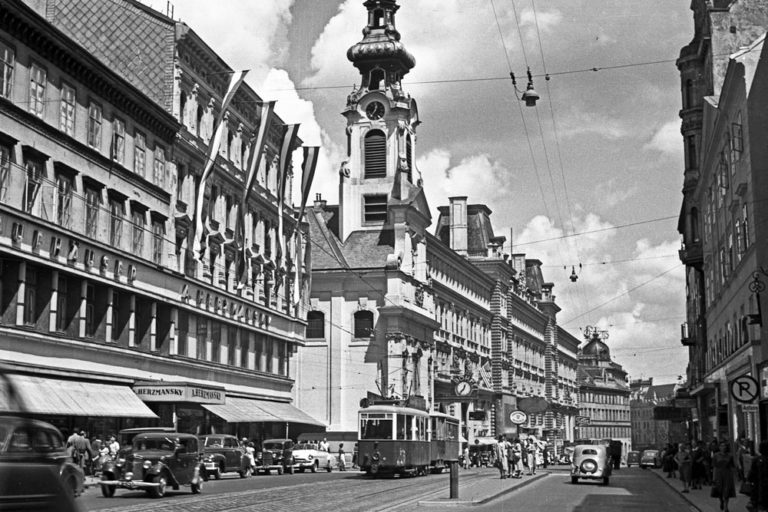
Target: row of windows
x,y
82,308
601,398
55,199
42,93
362,324
607,414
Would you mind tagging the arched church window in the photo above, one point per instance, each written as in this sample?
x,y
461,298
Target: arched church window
x,y
378,18
375,149
377,77
409,157
315,324
363,324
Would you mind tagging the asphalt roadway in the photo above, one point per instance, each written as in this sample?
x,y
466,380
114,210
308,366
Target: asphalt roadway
x,y
630,490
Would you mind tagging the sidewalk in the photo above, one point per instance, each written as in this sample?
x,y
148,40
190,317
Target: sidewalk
x,y
479,487
700,499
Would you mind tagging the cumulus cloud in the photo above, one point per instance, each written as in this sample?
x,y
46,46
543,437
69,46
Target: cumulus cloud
x,y
666,139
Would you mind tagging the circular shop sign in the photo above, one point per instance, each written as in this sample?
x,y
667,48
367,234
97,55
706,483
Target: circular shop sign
x,y
518,417
745,389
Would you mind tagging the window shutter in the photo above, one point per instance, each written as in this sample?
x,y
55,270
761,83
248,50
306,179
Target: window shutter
x,y
375,154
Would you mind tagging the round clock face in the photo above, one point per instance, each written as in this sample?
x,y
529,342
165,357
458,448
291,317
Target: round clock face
x,y
374,110
463,388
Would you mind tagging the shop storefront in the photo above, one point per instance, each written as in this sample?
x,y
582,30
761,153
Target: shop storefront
x,y
98,407
180,404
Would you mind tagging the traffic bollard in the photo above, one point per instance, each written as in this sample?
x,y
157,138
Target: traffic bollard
x,y
454,466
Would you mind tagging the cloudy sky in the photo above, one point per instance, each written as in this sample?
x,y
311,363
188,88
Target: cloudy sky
x,y
589,180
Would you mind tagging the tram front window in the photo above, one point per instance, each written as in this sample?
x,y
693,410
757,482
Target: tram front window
x,y
375,428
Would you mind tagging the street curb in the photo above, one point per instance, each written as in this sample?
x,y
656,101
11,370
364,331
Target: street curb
x,y
684,496
448,502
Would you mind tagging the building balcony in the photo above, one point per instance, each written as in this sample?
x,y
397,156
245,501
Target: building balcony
x,y
692,254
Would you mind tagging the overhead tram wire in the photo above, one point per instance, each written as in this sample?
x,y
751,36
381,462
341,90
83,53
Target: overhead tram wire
x,y
584,297
622,294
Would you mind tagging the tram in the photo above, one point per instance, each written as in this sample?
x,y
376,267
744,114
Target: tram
x,y
395,439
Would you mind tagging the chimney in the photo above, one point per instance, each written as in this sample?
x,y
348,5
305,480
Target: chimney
x,y
458,219
319,202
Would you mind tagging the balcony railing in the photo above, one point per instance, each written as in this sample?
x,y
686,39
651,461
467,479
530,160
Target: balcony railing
x,y
691,253
686,339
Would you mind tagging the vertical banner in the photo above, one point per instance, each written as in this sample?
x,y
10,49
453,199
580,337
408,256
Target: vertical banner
x,y
254,162
289,141
309,165
213,150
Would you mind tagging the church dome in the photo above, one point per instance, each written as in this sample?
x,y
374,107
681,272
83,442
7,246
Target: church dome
x,y
379,49
596,348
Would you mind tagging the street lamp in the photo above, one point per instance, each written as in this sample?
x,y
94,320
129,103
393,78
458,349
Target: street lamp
x,y
529,96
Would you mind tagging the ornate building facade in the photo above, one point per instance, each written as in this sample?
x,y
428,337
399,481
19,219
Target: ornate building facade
x,y
101,150
398,312
723,216
604,393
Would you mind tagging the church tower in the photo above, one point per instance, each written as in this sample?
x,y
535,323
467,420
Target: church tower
x,y
381,124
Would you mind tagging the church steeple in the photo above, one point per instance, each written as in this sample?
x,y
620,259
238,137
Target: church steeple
x,y
379,175
381,58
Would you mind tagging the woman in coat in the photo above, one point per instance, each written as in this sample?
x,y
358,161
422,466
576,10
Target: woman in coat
x,y
684,464
723,468
758,477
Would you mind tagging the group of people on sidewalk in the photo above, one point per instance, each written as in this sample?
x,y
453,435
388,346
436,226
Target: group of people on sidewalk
x,y
512,457
91,455
714,466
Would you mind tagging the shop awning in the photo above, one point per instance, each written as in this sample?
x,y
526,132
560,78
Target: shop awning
x,y
42,395
247,410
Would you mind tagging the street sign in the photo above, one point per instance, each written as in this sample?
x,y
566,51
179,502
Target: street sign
x,y
749,408
744,389
518,417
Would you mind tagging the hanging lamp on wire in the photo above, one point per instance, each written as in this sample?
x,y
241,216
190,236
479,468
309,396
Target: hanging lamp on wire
x,y
574,276
529,96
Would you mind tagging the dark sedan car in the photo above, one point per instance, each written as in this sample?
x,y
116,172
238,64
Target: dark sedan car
x,y
155,462
223,453
650,458
22,438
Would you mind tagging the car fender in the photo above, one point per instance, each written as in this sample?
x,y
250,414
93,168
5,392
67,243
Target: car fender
x,y
158,468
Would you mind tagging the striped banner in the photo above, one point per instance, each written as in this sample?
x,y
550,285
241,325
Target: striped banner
x,y
213,150
254,162
311,154
284,169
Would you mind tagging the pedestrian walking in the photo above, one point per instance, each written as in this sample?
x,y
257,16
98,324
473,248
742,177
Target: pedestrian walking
x,y
250,452
684,464
517,455
342,465
324,446
114,447
532,452
502,461
758,478
724,467
698,467
465,457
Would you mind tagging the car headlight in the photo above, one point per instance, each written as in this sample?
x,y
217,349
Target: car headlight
x,y
147,464
120,462
310,457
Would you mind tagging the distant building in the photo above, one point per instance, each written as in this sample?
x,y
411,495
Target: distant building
x,y
648,405
603,393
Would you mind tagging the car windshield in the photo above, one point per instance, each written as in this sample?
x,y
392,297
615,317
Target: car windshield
x,y
213,442
650,453
153,443
305,446
273,446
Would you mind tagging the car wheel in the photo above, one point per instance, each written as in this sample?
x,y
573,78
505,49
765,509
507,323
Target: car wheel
x,y
302,469
204,474
159,490
574,479
108,491
217,474
244,473
606,480
197,487
289,470
328,468
280,470
314,467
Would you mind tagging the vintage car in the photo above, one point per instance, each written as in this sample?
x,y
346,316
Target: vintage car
x,y
309,456
275,454
22,439
30,477
591,462
155,462
223,453
633,458
650,458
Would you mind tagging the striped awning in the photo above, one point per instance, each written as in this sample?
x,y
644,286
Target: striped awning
x,y
43,395
248,410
